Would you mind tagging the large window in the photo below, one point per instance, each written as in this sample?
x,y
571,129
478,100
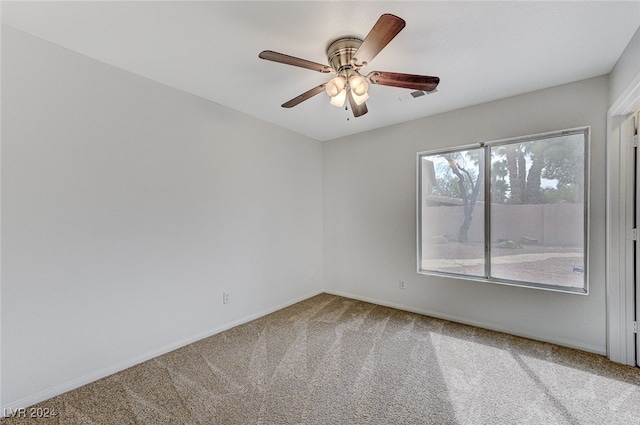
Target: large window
x,y
509,211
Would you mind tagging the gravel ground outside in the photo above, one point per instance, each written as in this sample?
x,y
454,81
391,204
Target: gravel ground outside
x,y
551,265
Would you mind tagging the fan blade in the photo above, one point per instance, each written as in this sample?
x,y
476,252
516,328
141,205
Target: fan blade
x,y
358,110
407,81
304,96
290,60
387,27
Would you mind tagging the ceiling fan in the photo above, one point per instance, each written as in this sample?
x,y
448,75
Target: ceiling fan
x,y
347,56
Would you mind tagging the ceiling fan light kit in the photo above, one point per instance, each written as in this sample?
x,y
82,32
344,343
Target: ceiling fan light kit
x,y
360,99
346,56
338,86
335,86
339,99
358,85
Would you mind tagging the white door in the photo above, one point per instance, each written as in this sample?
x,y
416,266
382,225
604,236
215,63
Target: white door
x,y
630,220
629,133
623,188
632,125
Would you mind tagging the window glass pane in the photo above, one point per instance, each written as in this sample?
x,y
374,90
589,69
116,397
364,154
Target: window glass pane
x,y
537,211
452,212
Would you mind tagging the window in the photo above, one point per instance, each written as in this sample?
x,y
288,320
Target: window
x,y
510,211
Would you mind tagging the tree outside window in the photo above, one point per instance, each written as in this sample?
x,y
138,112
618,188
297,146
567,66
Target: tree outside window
x,y
532,232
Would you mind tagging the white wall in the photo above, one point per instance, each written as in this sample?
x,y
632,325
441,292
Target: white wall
x,y
370,217
626,69
128,208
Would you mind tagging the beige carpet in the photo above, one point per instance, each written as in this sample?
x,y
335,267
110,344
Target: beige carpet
x,y
332,360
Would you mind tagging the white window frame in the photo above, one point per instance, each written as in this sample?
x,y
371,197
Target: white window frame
x,y
586,131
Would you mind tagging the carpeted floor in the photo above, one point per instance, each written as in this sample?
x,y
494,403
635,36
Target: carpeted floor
x,y
332,360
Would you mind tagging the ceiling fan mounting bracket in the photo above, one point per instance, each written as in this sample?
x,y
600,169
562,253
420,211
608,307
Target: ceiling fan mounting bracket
x,y
340,52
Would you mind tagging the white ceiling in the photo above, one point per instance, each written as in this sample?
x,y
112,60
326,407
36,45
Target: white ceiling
x,y
481,51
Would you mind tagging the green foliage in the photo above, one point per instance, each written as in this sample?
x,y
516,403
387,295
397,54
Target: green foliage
x,y
460,176
499,182
451,185
543,171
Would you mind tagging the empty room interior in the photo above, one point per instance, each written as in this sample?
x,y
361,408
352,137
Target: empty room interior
x,y
319,212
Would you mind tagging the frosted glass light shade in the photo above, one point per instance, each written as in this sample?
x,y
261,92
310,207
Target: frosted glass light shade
x,y
335,86
358,85
338,100
360,99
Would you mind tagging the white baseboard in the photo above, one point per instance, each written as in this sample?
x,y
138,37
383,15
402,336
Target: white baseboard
x,y
76,383
491,326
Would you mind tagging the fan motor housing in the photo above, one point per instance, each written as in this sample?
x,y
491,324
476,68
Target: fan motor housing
x,y
340,52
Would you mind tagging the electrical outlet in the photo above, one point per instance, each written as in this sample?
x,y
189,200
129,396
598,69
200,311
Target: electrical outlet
x,y
401,284
225,298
